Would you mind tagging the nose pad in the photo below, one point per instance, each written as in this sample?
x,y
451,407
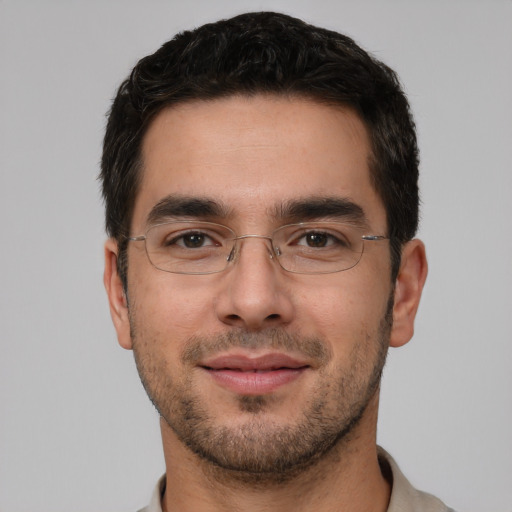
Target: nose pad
x,y
231,255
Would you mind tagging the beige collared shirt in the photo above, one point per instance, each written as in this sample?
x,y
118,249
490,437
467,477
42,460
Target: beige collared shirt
x,y
404,497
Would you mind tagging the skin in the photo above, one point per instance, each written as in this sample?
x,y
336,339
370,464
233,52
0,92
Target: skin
x,y
242,153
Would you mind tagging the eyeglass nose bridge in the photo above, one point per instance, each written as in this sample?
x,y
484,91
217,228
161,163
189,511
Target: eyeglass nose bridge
x,y
271,252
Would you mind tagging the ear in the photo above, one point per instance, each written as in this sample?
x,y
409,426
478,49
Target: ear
x,y
408,287
116,295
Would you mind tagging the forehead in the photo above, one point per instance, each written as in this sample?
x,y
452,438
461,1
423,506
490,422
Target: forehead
x,y
254,153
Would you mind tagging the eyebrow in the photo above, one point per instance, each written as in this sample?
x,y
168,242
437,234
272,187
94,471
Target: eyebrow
x,y
297,210
325,208
173,206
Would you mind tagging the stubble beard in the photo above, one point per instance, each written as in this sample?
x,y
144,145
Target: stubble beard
x,y
259,449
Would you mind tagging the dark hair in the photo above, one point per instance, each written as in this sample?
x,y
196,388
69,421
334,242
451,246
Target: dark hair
x,y
266,53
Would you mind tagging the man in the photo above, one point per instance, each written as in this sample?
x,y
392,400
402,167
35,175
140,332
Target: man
x,y
260,179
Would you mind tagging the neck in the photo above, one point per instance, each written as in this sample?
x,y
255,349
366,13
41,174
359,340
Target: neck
x,y
347,477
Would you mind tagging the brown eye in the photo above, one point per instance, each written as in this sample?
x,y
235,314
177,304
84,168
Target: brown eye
x,y
190,240
194,240
319,240
316,239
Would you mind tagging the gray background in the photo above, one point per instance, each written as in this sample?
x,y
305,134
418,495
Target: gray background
x,y
76,430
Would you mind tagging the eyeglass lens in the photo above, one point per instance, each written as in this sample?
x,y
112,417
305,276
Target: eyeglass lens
x,y
190,247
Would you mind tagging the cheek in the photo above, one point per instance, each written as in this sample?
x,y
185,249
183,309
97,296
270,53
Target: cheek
x,y
342,313
171,306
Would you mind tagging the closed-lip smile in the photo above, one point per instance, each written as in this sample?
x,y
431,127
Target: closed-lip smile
x,y
246,374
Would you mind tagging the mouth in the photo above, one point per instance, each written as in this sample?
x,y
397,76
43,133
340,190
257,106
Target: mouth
x,y
259,375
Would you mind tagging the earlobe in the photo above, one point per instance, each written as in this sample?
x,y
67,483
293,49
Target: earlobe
x,y
116,295
408,288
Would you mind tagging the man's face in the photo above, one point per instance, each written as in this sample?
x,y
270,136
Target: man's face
x,y
256,368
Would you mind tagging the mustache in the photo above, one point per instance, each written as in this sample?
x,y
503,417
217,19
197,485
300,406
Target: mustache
x,y
200,347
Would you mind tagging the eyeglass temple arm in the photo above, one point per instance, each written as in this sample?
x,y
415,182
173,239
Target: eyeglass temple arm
x,y
374,237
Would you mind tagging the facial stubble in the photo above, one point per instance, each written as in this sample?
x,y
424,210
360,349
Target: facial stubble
x,y
259,448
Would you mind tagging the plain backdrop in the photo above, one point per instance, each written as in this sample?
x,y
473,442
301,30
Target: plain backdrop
x,y
77,432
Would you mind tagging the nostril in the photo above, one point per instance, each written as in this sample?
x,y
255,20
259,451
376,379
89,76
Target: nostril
x,y
274,316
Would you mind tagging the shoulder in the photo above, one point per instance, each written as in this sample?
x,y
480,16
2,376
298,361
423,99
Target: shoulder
x,y
404,497
155,505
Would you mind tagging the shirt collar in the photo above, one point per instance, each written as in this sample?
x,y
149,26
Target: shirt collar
x,y
404,497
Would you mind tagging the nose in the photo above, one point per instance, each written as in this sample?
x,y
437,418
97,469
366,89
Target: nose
x,y
255,291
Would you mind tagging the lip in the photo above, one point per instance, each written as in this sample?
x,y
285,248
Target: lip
x,y
256,375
